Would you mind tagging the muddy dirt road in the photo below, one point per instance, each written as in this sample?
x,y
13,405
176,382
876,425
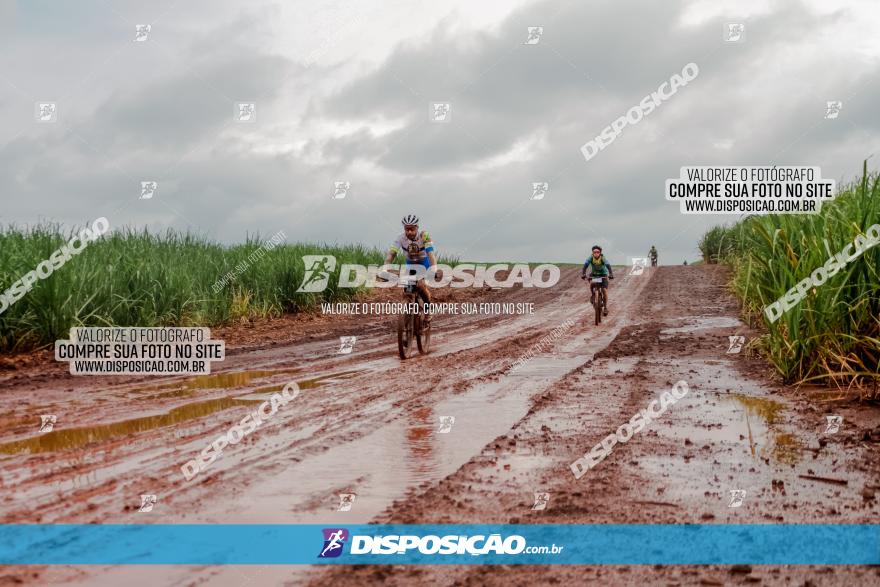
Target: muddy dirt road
x,y
368,424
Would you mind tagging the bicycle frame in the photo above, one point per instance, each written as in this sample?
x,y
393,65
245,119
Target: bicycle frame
x,y
410,325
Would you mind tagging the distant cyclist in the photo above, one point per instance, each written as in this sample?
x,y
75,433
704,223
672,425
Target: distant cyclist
x,y
418,249
653,255
598,266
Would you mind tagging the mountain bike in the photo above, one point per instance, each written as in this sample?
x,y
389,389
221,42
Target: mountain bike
x,y
600,299
411,324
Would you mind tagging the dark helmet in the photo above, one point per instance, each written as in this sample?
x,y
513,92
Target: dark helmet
x,y
596,247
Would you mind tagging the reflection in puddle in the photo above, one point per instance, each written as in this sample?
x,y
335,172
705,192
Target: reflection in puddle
x,y
232,379
77,437
787,449
764,442
767,409
406,453
418,439
63,439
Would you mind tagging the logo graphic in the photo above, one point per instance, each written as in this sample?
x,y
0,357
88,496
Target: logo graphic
x,y
46,112
834,423
245,112
142,32
147,502
832,108
736,344
148,189
541,501
341,189
446,423
734,32
346,500
318,270
334,540
441,112
47,422
539,189
346,344
638,265
736,498
535,33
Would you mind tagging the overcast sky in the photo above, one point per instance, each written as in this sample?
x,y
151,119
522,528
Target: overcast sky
x,y
343,93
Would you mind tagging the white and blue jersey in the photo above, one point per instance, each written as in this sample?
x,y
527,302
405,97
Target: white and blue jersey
x,y
416,251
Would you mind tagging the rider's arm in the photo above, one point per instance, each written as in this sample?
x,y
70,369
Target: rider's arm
x,y
390,256
429,248
610,271
393,248
429,244
584,270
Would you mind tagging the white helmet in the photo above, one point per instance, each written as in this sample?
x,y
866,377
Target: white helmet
x,y
410,219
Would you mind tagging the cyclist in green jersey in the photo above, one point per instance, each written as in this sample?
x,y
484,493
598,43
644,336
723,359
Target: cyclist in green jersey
x,y
598,266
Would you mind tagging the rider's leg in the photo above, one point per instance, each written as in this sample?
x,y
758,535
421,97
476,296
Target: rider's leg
x,y
592,294
425,295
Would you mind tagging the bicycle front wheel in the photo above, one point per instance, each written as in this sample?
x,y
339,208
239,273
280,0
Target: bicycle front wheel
x,y
405,328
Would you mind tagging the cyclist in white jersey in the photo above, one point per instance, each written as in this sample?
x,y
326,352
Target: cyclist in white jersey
x,y
418,249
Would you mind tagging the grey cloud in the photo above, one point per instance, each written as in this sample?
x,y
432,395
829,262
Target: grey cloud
x,y
593,63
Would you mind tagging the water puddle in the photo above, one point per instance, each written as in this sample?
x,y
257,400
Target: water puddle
x,y
765,441
414,450
64,439
228,380
408,454
752,423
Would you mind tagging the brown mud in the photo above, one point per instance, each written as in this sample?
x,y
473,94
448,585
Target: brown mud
x,y
369,424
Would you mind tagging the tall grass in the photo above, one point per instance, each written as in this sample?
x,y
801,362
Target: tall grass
x,y
833,334
132,278
718,243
